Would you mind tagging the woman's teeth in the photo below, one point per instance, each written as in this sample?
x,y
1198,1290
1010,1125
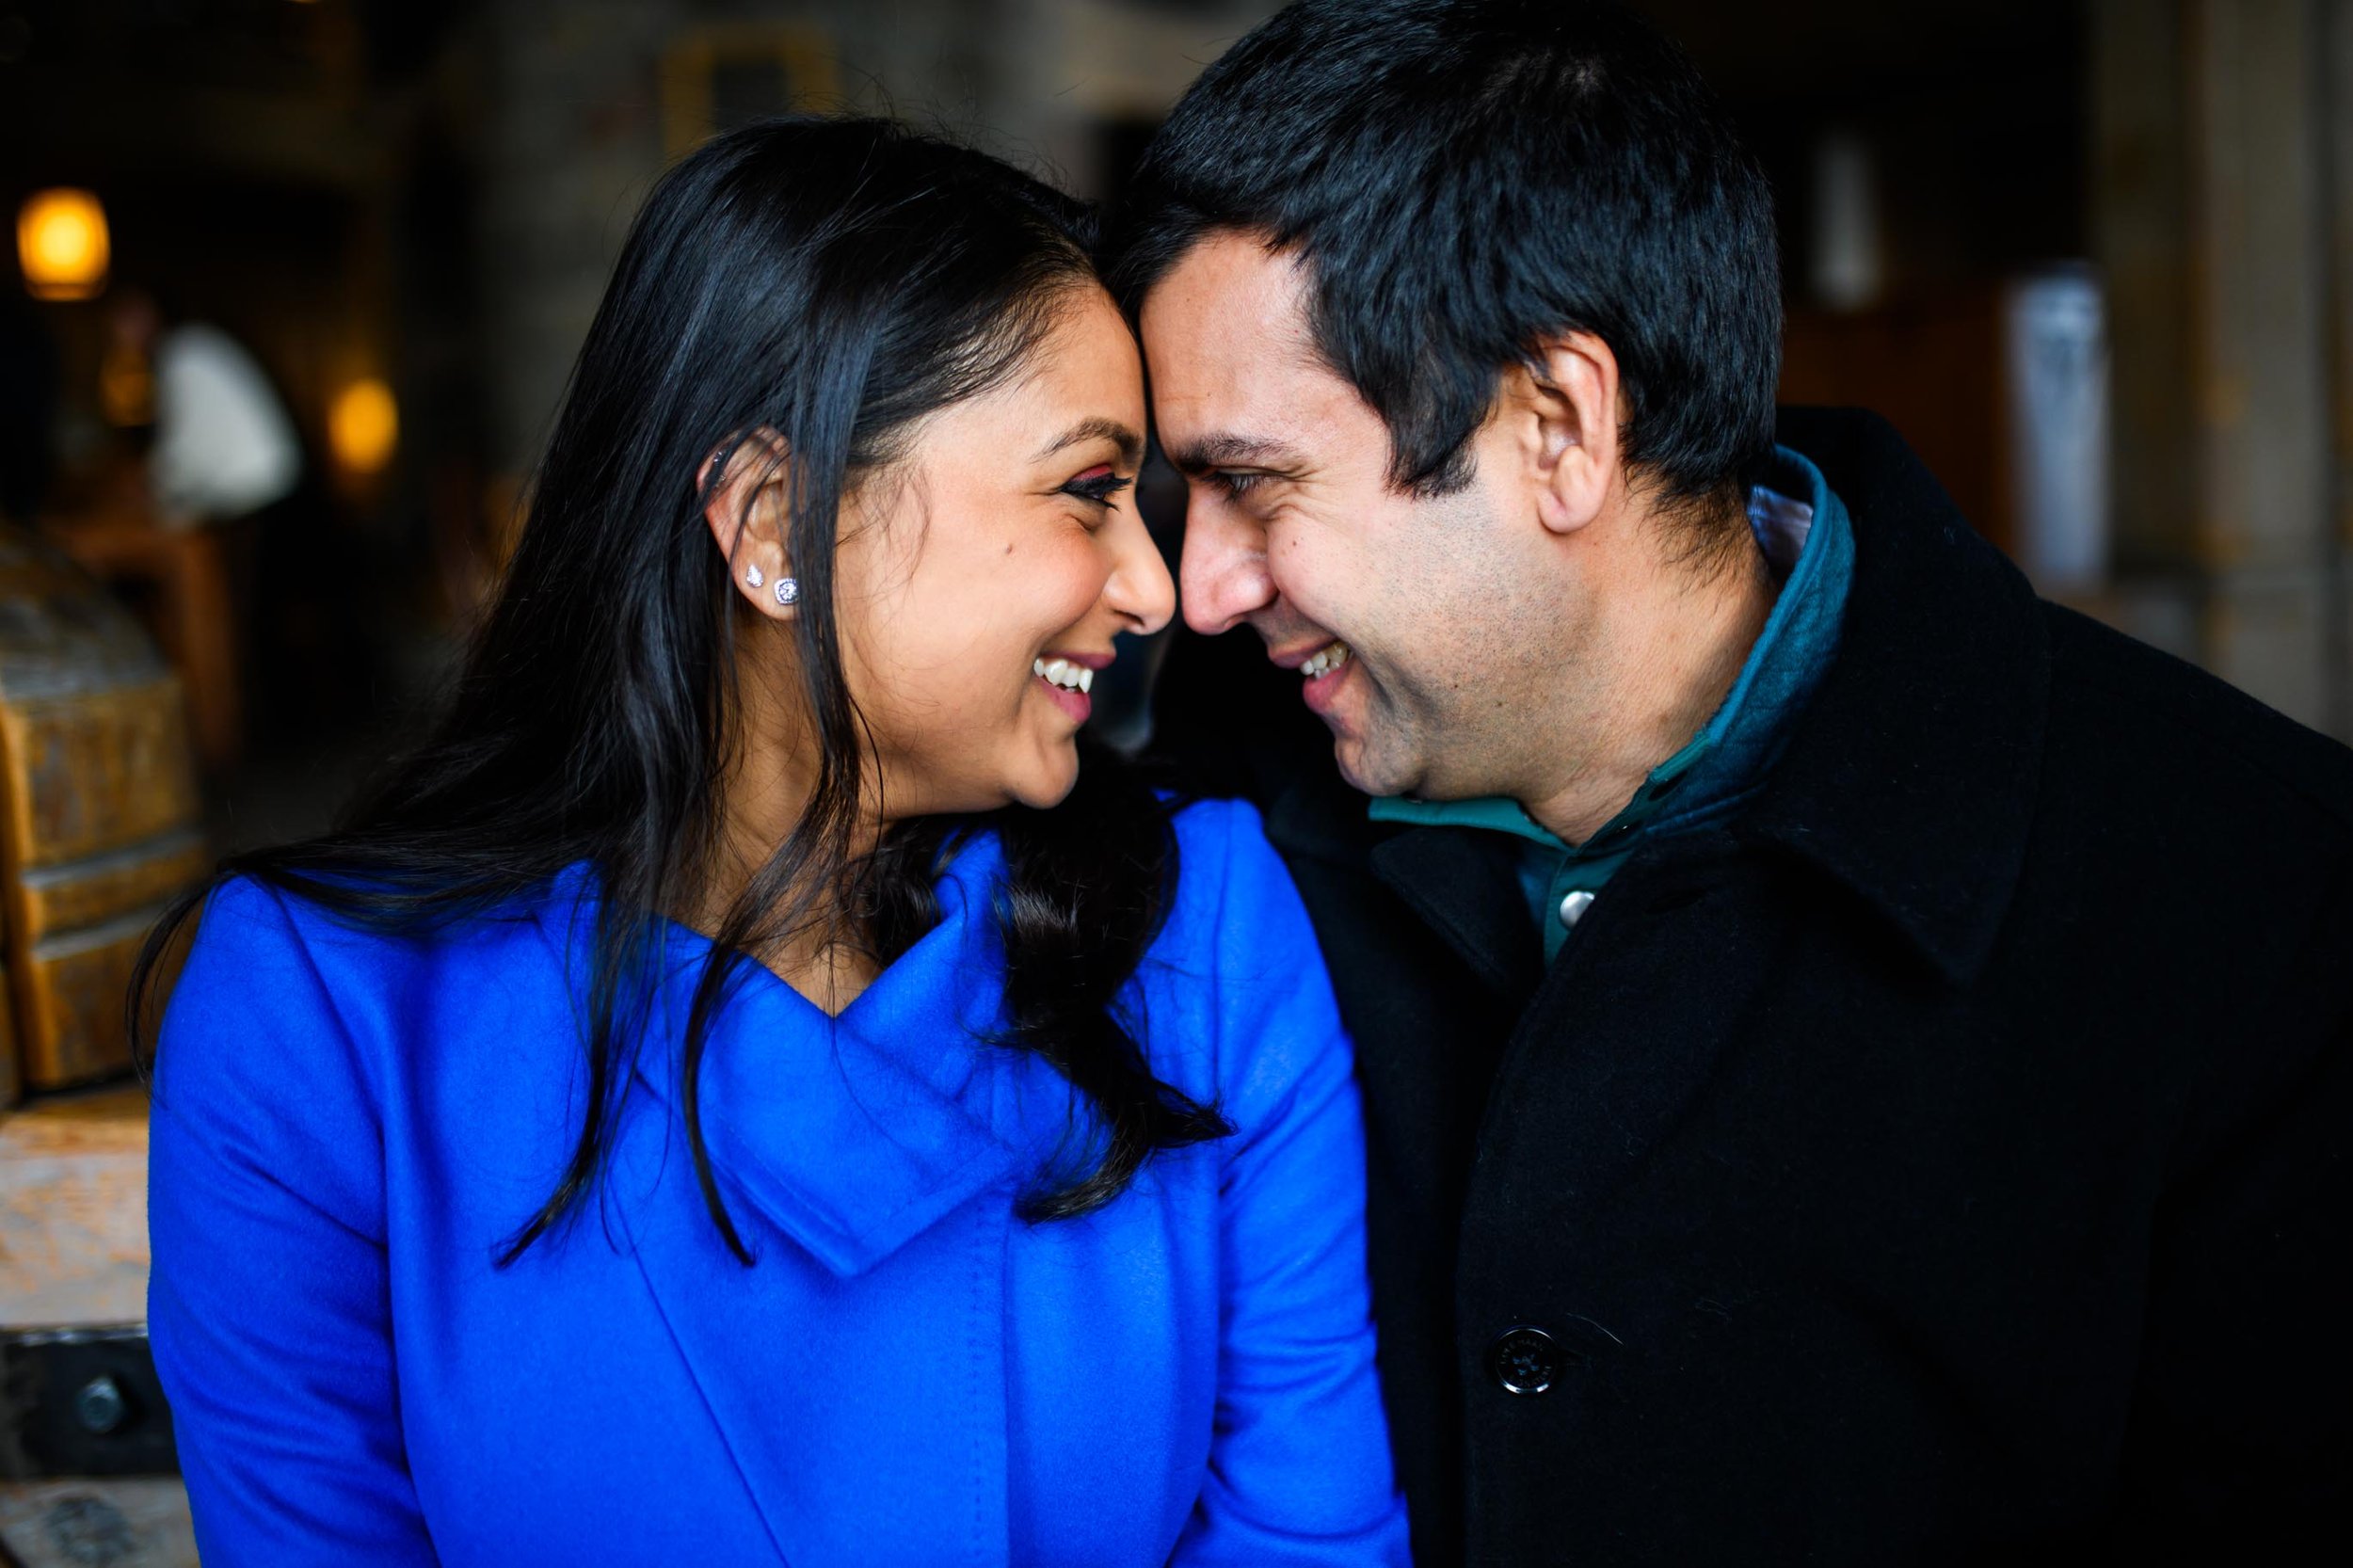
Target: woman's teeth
x,y
1326,659
1061,672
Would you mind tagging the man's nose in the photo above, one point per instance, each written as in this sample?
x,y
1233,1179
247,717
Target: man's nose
x,y
1224,570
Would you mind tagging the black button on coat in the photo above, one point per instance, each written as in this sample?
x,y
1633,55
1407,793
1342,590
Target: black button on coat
x,y
1525,1361
1945,1160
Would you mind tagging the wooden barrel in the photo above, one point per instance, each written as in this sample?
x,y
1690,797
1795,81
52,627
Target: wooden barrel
x,y
99,813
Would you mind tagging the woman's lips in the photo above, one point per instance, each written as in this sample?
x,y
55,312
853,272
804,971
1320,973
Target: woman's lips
x,y
1077,704
1067,679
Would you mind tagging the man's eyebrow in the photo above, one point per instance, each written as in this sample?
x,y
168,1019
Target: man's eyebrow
x,y
1228,451
1101,428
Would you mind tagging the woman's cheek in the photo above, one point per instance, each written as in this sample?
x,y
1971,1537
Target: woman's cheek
x,y
1079,571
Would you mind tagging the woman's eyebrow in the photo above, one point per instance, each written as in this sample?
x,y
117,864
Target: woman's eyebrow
x,y
1129,442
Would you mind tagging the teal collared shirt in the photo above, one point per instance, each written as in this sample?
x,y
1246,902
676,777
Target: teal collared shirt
x,y
1801,527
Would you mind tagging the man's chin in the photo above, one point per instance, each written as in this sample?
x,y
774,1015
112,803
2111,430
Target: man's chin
x,y
1366,770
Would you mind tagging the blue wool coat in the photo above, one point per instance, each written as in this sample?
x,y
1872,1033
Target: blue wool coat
x,y
349,1126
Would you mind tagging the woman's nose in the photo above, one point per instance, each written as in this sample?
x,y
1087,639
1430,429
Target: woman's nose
x,y
1140,589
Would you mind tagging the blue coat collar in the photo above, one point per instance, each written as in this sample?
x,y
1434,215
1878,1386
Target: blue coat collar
x,y
851,1135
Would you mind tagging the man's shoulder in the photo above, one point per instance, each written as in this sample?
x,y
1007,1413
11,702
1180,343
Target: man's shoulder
x,y
2127,717
1971,721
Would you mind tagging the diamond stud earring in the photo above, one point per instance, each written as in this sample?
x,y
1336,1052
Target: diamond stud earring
x,y
751,574
788,590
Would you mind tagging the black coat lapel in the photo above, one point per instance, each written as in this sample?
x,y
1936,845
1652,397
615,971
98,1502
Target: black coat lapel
x,y
1625,1034
1463,883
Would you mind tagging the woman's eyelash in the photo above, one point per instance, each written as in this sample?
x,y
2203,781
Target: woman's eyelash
x,y
1098,488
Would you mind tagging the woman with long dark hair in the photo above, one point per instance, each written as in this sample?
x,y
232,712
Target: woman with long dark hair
x,y
741,1091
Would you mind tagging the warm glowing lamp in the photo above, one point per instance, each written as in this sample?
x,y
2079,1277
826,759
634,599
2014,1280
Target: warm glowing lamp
x,y
363,425
61,244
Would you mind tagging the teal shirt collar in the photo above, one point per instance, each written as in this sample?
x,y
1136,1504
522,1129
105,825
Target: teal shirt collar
x,y
1802,528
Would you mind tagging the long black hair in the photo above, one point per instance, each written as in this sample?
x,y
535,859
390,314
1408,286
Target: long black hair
x,y
823,283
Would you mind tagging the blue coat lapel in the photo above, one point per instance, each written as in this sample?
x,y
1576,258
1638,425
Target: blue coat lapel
x,y
854,1135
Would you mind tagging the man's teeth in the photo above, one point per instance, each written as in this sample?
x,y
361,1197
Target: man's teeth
x,y
1061,672
1326,659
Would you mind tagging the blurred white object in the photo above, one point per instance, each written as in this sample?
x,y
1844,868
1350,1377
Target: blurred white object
x,y
224,446
2055,360
1848,269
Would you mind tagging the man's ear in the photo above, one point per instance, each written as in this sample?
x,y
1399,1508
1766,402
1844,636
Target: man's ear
x,y
1565,396
747,494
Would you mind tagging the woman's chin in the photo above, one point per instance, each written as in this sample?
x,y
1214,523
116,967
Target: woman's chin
x,y
1052,782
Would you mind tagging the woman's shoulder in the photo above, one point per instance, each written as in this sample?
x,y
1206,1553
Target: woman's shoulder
x,y
345,928
1228,875
268,959
298,1040
1219,840
1236,972
251,939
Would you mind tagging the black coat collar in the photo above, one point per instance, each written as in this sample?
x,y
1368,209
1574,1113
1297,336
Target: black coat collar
x,y
1464,882
1912,776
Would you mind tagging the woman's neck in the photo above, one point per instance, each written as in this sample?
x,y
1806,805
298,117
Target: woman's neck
x,y
765,795
832,976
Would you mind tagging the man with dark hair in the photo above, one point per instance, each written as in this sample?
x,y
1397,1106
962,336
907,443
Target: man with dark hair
x,y
1856,1057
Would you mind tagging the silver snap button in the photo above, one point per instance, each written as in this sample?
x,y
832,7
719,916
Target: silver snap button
x,y
100,1406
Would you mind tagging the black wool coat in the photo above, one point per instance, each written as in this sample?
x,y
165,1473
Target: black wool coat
x,y
1945,1160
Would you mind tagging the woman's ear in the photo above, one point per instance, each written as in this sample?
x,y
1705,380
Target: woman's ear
x,y
1571,416
747,493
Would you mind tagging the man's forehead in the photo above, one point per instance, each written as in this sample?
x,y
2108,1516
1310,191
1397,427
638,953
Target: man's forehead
x,y
1228,297
1226,341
